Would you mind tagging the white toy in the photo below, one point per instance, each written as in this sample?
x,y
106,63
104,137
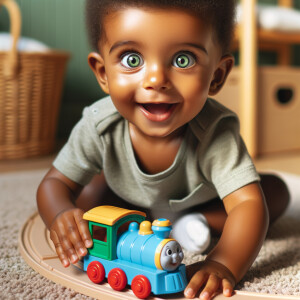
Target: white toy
x,y
275,17
24,44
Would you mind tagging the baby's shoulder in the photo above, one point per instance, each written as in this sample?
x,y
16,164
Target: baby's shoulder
x,y
102,114
212,114
213,111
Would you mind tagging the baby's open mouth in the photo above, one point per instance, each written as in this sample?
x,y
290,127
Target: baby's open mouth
x,y
157,112
157,109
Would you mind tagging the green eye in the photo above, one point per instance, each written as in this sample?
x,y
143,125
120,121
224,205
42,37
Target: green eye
x,y
183,60
131,60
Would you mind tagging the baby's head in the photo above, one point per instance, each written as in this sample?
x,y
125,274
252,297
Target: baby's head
x,y
219,14
159,60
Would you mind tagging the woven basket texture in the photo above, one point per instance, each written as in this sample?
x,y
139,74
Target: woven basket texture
x,y
29,102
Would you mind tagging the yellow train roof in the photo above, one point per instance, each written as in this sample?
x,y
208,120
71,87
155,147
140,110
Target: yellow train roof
x,y
109,215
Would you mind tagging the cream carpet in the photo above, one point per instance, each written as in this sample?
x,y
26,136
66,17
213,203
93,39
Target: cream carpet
x,y
275,271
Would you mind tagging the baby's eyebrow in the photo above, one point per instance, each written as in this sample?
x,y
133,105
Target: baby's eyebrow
x,y
197,46
132,43
121,43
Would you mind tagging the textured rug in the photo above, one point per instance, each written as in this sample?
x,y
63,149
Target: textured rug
x,y
275,271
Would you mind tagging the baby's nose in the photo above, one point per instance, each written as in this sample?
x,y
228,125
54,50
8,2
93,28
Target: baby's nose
x,y
156,78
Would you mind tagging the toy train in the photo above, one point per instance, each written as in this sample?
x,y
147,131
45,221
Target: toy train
x,y
142,256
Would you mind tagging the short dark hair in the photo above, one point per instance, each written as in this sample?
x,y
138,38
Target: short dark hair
x,y
220,14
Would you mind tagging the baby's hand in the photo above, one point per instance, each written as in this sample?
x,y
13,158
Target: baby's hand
x,y
211,276
70,235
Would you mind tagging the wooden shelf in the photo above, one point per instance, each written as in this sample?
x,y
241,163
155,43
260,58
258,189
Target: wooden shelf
x,y
279,37
271,36
248,39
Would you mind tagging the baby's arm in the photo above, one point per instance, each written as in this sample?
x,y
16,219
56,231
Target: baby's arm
x,y
242,237
69,232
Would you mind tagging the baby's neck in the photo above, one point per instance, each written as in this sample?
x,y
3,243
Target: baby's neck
x,y
155,154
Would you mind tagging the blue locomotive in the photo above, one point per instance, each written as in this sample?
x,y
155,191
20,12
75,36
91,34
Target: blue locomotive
x,y
142,256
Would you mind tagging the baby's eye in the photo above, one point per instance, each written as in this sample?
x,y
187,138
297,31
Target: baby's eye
x,y
183,60
131,60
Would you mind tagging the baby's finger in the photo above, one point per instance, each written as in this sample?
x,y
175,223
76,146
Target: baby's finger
x,y
227,288
75,238
64,228
83,228
59,250
211,287
195,284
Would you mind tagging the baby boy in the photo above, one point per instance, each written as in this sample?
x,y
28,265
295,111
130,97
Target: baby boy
x,y
161,143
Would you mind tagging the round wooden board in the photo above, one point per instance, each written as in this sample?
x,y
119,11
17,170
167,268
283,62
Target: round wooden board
x,y
37,250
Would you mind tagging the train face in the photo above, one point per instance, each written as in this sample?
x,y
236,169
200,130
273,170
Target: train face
x,y
171,256
150,246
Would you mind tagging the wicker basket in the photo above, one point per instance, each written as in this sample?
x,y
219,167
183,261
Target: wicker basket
x,y
30,91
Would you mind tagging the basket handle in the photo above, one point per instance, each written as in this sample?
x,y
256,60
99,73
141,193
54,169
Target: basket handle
x,y
11,64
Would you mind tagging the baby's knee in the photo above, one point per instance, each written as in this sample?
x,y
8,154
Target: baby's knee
x,y
276,193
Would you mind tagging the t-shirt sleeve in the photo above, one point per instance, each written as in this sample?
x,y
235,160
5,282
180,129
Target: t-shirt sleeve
x,y
80,159
225,161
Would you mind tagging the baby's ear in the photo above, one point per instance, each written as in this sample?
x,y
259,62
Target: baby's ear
x,y
96,63
220,75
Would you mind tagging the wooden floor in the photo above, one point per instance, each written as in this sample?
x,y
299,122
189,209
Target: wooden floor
x,y
286,162
26,164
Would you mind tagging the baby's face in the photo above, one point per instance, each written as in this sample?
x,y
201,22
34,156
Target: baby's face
x,y
158,67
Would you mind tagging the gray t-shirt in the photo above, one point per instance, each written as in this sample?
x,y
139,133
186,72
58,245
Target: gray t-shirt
x,y
212,160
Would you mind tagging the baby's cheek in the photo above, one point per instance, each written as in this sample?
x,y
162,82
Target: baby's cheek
x,y
194,89
124,83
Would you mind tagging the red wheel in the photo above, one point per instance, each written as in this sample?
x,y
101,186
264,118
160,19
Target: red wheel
x,y
141,286
95,271
117,279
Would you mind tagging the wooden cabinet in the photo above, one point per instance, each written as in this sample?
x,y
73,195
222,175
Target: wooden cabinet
x,y
250,38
